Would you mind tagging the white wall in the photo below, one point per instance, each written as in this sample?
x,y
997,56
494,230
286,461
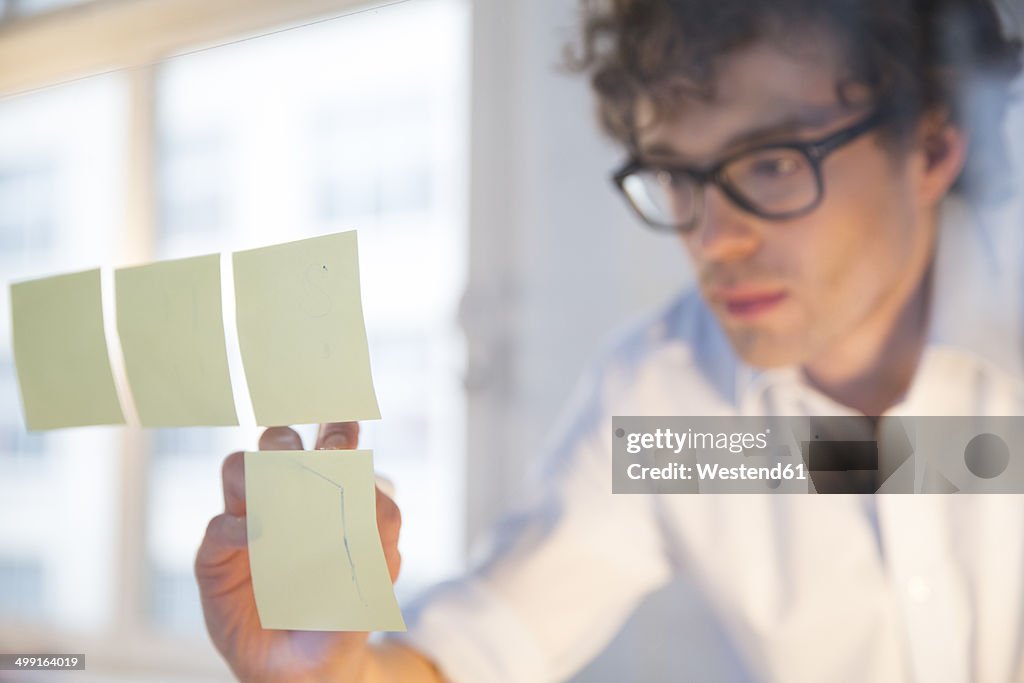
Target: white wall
x,y
559,265
558,262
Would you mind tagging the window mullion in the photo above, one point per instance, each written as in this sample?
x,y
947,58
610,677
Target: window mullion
x,y
136,245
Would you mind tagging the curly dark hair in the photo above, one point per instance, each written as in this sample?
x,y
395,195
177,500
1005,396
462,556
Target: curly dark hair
x,y
915,56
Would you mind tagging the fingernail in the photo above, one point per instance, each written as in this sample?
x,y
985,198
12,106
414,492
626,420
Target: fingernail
x,y
335,441
386,486
280,442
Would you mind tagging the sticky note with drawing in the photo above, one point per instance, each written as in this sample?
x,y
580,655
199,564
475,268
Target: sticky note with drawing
x,y
60,352
172,333
314,550
301,332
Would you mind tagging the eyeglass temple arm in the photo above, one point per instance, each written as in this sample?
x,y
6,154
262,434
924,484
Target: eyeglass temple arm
x,y
822,148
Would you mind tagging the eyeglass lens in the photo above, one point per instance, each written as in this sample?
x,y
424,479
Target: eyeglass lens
x,y
772,182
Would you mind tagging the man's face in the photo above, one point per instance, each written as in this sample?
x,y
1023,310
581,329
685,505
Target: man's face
x,y
795,291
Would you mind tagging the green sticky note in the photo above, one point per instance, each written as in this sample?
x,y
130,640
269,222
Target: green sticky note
x,y
170,322
301,332
315,554
60,353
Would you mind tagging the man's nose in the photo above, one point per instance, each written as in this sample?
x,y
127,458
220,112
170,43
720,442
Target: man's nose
x,y
726,233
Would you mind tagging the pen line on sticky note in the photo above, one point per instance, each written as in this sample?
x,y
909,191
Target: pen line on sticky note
x,y
344,528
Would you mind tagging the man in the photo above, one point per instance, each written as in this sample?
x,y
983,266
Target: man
x,y
805,152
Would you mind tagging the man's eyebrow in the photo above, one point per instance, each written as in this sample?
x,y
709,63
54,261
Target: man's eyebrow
x,y
791,125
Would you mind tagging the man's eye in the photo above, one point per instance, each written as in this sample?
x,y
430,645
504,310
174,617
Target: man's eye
x,y
774,167
667,178
679,180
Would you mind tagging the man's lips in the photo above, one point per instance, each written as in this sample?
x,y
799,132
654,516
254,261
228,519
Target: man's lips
x,y
746,303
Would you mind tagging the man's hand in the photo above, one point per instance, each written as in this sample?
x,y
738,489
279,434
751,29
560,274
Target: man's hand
x,y
225,585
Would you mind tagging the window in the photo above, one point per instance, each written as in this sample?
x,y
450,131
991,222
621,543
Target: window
x,y
374,158
191,189
27,213
357,123
15,442
59,202
21,588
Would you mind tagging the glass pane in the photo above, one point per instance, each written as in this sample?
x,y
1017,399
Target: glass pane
x,y
357,123
61,171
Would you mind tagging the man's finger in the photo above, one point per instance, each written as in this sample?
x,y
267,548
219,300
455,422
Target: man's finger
x,y
225,537
384,485
389,519
389,526
394,561
233,478
280,439
227,532
338,435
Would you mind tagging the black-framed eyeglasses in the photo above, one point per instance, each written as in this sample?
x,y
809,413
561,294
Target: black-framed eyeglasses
x,y
777,181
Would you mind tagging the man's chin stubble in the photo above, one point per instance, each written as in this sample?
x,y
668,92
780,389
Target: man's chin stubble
x,y
759,349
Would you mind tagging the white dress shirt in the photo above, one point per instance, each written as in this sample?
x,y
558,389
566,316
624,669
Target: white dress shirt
x,y
811,588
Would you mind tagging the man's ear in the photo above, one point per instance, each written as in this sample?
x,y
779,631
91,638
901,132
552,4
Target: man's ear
x,y
942,151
